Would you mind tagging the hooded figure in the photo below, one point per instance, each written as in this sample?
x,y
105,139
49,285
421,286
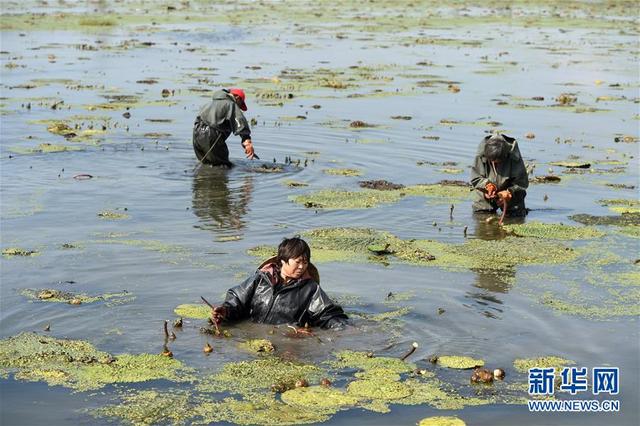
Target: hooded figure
x,y
215,123
500,176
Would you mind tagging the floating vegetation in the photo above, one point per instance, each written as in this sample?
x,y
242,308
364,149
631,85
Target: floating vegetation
x,y
150,407
15,251
368,362
295,184
318,398
622,205
459,362
251,378
257,346
571,164
631,218
111,215
343,172
340,199
45,148
523,365
554,231
57,296
380,185
441,421
78,365
193,311
630,230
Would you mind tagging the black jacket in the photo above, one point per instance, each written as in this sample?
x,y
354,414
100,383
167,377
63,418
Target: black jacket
x,y
265,299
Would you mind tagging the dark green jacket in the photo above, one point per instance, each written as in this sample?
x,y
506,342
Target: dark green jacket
x,y
224,115
510,174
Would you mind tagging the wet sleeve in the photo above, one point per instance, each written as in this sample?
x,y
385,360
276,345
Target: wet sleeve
x,y
239,124
520,181
323,312
478,175
238,299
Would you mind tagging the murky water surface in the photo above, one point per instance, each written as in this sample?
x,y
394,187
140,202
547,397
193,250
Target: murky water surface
x,y
179,231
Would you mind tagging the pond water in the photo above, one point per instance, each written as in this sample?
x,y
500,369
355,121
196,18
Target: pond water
x,y
449,75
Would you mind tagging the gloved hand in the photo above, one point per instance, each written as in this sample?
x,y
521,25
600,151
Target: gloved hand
x,y
248,149
490,190
504,196
218,314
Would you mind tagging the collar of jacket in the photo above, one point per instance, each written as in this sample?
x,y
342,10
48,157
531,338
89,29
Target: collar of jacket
x,y
272,271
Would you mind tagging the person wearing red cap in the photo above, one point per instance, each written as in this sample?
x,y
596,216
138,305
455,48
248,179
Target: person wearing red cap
x,y
215,123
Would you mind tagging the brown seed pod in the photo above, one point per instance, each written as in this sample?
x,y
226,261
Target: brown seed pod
x,y
207,348
302,383
481,375
167,353
325,382
499,373
75,301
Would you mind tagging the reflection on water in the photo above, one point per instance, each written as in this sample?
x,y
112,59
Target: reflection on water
x,y
491,281
218,204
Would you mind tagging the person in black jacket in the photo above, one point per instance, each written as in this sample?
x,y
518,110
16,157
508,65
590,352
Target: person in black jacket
x,y
284,290
214,124
500,176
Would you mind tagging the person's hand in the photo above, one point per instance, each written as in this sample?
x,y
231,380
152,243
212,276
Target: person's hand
x,y
504,196
218,314
490,191
248,149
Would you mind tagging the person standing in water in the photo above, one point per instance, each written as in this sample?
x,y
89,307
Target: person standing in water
x,y
500,176
215,122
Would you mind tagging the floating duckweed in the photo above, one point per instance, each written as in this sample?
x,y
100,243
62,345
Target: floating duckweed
x,y
111,215
378,373
340,199
459,362
14,251
378,389
364,361
343,172
624,306
252,377
318,398
149,407
78,365
353,244
622,205
389,315
441,421
554,231
263,252
623,219
257,345
193,311
631,230
523,365
260,410
439,191
451,171
57,296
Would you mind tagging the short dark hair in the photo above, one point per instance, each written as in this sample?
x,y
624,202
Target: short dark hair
x,y
290,248
496,148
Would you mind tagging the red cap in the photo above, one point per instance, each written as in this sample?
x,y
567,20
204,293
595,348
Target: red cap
x,y
239,93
